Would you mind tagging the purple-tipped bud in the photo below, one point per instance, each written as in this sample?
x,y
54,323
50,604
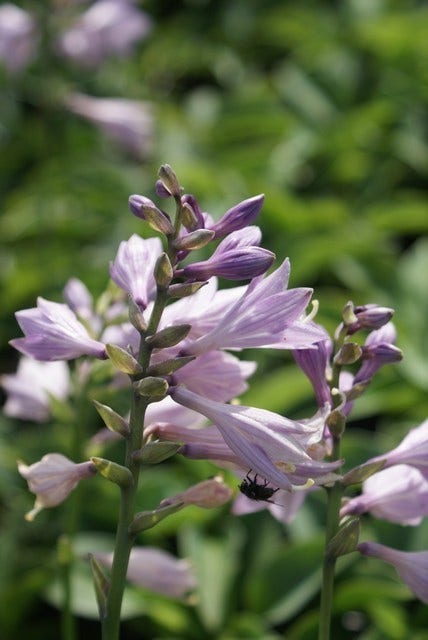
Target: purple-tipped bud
x,y
146,209
161,190
169,180
242,264
239,216
370,316
190,200
137,203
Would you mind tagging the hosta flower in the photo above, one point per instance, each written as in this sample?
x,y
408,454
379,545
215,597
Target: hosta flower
x,y
272,446
315,363
18,37
411,566
398,494
52,332
107,27
412,450
239,216
206,494
52,479
264,315
378,350
157,571
29,388
285,507
132,268
370,316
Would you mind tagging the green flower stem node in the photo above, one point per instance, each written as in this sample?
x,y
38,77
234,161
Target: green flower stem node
x,y
349,353
169,179
152,387
123,360
194,240
168,337
113,472
163,271
156,452
346,539
148,519
336,422
101,585
185,289
112,420
361,473
167,367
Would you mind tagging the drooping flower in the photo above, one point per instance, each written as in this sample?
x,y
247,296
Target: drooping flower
x,y
18,37
398,494
52,479
158,571
272,446
29,388
315,363
108,27
411,566
52,332
132,268
206,494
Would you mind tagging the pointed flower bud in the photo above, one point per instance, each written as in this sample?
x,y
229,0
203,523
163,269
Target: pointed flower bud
x,y
154,452
147,519
370,316
145,209
168,337
185,289
168,367
239,216
188,217
348,354
194,240
112,420
151,387
52,479
206,494
411,566
346,539
114,472
163,271
362,472
169,180
136,316
123,360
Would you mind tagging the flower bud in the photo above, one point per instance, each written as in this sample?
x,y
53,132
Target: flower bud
x,y
194,240
123,360
114,472
336,422
346,539
362,472
207,494
239,216
154,452
169,336
168,367
112,420
163,271
188,217
169,180
136,316
148,519
349,353
145,209
151,387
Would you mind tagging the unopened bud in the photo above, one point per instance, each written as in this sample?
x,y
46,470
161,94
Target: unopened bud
x,y
349,353
123,360
163,271
346,539
185,289
158,220
361,473
194,240
136,316
348,314
168,367
112,420
207,494
151,387
188,217
336,422
113,472
169,180
168,337
148,519
154,452
357,390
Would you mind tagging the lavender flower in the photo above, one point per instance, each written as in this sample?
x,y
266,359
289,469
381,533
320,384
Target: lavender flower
x,y
18,38
315,363
28,390
398,494
107,27
272,446
157,571
132,269
52,479
370,316
52,332
127,122
411,566
412,450
378,350
239,216
284,510
206,494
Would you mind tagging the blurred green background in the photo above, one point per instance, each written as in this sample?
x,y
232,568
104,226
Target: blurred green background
x,y
323,107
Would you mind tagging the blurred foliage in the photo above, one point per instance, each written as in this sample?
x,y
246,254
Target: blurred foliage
x,y
322,106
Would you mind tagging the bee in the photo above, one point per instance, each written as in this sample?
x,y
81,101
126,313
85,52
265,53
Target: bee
x,y
255,491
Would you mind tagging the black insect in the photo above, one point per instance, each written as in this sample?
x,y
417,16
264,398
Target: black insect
x,y
255,491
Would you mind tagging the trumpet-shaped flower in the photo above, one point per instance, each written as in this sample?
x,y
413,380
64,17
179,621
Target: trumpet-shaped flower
x,y
378,350
157,571
398,494
132,269
52,332
315,363
28,389
272,446
412,450
52,479
411,566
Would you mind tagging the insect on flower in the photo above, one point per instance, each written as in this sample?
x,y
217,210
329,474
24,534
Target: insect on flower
x,y
255,491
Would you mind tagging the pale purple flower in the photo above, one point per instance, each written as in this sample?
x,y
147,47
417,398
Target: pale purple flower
x,y
285,507
158,571
215,375
411,566
264,315
132,268
52,332
370,316
108,27
127,122
398,494
206,494
412,450
378,350
272,446
315,363
239,216
52,479
29,389
18,38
